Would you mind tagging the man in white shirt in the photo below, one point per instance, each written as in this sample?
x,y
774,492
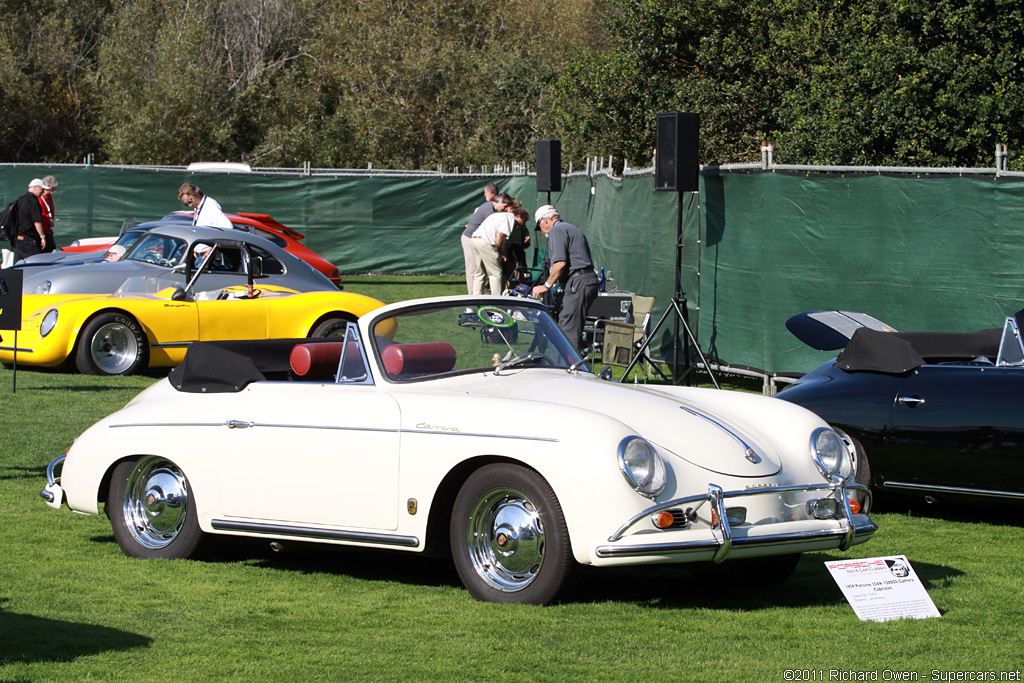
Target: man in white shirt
x,y
207,210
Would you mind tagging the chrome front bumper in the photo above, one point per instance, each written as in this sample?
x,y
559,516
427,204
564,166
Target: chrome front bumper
x,y
852,528
52,493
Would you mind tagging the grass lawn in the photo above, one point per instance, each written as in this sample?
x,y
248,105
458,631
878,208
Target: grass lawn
x,y
74,608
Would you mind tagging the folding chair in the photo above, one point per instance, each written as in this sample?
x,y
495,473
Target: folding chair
x,y
623,339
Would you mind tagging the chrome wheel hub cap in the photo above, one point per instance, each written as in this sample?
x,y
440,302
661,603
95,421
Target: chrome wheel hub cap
x,y
506,540
155,502
114,348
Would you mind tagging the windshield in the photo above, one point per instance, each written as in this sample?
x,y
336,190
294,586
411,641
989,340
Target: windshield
x,y
159,249
451,339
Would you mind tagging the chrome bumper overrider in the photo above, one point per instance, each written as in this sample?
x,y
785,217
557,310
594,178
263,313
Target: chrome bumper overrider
x,y
53,494
852,527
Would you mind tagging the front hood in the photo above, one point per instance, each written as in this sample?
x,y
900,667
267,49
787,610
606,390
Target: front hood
x,y
96,278
726,441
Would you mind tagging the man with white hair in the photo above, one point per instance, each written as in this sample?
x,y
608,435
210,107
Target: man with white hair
x,y
29,237
207,210
571,265
46,206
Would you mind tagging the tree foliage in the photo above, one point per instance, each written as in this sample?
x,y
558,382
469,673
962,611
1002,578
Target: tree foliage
x,y
421,83
912,82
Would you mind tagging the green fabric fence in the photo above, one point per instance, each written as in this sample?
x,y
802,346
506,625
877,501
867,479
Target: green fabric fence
x,y
921,253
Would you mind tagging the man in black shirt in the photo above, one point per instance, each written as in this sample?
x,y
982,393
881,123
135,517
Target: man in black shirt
x,y
572,267
29,237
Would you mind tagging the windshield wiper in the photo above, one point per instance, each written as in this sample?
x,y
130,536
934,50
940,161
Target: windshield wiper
x,y
519,360
575,366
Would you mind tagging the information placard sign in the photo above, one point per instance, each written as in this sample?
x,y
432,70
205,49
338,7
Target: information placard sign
x,y
10,298
883,588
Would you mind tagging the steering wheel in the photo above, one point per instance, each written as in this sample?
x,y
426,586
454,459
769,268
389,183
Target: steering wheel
x,y
157,259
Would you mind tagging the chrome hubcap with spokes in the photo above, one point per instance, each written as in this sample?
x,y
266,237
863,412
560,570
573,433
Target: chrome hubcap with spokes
x,y
155,502
506,540
114,348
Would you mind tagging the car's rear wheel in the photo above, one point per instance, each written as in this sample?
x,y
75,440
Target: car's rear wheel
x,y
111,344
151,509
509,539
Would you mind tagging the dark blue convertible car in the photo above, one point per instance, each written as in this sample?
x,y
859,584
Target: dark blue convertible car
x,y
933,414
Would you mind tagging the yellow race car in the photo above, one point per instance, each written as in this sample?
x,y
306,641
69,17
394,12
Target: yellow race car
x,y
126,332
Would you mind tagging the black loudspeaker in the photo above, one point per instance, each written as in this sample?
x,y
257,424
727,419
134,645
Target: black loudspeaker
x,y
549,166
676,168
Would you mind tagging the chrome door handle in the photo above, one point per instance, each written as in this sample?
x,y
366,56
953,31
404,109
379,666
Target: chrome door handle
x,y
238,424
911,401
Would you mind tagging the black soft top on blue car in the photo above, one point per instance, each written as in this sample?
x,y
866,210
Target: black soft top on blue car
x,y
899,352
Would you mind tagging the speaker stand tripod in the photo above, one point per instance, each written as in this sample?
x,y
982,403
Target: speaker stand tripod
x,y
677,307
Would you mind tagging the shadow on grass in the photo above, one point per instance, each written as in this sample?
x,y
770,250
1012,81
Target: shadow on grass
x,y
366,564
676,587
657,586
12,473
25,638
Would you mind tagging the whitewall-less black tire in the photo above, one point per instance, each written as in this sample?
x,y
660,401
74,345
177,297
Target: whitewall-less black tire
x,y
111,344
151,510
508,537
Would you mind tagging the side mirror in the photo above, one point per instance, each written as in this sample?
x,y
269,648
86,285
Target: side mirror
x,y
256,266
178,294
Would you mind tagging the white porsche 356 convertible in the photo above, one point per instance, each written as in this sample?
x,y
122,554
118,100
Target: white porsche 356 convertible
x,y
466,425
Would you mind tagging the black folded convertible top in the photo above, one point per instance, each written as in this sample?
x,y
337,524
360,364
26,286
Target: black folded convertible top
x,y
229,366
899,352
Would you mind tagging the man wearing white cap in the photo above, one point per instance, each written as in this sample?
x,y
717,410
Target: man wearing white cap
x,y
29,237
571,265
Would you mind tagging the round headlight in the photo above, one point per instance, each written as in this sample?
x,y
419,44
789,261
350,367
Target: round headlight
x,y
49,322
43,288
828,452
643,467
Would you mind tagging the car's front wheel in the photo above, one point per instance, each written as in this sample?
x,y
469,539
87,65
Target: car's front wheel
x,y
509,539
111,344
151,510
861,467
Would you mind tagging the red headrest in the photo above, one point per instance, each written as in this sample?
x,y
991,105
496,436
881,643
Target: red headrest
x,y
428,358
321,359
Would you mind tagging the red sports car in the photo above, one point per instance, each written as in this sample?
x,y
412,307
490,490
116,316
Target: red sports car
x,y
257,223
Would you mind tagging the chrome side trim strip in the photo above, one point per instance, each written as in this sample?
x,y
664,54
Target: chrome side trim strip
x,y
168,424
320,534
489,436
20,349
171,345
247,423
902,485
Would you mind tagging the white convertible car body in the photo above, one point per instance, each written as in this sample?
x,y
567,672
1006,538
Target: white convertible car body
x,y
462,423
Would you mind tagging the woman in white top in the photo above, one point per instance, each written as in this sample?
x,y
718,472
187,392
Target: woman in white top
x,y
487,248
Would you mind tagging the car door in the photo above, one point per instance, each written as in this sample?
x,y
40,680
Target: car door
x,y
312,453
232,319
959,426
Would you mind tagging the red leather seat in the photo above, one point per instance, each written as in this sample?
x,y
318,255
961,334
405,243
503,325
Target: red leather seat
x,y
321,359
402,361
